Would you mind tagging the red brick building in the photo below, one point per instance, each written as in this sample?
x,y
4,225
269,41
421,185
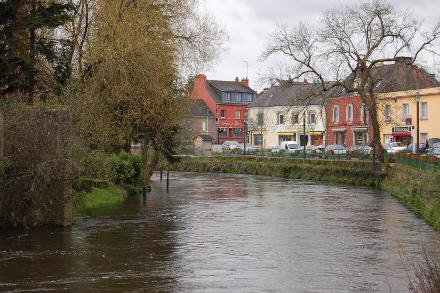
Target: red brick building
x,y
348,122
229,101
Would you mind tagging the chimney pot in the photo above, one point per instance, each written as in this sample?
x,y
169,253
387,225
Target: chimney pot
x,y
245,81
237,80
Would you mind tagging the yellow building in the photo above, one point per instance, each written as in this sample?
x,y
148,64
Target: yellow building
x,y
398,115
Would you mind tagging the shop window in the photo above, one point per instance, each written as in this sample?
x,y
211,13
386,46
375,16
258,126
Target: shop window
x,y
238,132
223,132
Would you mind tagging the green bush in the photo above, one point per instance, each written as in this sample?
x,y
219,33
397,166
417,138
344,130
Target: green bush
x,y
124,168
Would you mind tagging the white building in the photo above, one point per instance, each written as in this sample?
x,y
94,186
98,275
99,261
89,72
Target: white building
x,y
288,113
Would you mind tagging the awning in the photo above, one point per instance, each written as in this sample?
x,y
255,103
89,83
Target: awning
x,y
286,133
397,134
316,132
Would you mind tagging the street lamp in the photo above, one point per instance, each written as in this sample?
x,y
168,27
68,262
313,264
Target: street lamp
x,y
418,125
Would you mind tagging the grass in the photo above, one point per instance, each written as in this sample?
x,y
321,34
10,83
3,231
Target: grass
x,y
98,198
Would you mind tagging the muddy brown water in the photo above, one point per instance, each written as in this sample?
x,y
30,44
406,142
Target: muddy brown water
x,y
224,233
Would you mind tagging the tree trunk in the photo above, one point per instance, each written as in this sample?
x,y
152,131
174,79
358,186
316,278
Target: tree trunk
x,y
148,166
376,142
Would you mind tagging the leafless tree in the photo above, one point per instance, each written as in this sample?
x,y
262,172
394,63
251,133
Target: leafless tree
x,y
352,41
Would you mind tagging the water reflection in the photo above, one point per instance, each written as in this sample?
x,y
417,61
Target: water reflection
x,y
231,233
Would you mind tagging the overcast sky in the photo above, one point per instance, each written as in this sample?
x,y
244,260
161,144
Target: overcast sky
x,y
250,22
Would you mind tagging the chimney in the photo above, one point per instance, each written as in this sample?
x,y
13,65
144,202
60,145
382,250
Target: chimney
x,y
305,81
200,80
245,81
199,85
237,80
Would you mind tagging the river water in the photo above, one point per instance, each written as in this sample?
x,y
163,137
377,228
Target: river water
x,y
225,233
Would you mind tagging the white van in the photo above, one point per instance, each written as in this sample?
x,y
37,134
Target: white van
x,y
290,147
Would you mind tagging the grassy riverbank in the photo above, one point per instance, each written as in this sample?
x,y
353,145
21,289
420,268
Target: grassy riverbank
x,y
418,190
98,198
337,172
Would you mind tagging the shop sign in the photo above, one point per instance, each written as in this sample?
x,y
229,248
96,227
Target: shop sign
x,y
402,129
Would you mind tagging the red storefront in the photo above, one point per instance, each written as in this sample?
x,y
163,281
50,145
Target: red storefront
x,y
229,101
348,121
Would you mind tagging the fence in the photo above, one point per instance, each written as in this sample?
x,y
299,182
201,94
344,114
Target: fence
x,y
413,160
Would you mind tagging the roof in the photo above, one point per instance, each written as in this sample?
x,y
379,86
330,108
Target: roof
x,y
394,78
205,137
230,86
293,94
200,109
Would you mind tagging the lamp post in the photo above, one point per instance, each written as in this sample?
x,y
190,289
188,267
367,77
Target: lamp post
x,y
304,134
418,126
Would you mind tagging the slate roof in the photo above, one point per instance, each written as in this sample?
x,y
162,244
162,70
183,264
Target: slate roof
x,y
394,78
199,109
205,137
294,94
226,86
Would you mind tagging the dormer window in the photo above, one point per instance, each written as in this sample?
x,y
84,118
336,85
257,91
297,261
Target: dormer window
x,y
228,96
239,97
250,98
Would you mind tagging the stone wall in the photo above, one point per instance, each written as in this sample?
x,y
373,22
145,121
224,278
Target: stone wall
x,y
37,189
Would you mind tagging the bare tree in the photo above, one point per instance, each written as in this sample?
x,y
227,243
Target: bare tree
x,y
351,41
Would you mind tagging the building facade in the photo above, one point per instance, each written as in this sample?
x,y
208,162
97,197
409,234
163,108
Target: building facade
x,y
201,120
229,101
348,121
398,115
287,113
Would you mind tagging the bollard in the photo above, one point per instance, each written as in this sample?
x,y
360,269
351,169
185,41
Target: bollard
x,y
144,193
168,181
160,175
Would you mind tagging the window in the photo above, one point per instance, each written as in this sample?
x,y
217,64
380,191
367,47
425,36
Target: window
x,y
260,119
237,114
239,97
388,138
228,96
204,126
424,110
258,139
349,113
281,119
296,118
230,132
364,114
223,132
405,111
423,138
250,98
343,138
238,132
223,114
312,117
387,112
335,114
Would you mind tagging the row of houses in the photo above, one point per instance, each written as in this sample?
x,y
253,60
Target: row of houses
x,y
293,111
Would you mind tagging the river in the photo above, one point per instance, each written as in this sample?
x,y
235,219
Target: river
x,y
224,233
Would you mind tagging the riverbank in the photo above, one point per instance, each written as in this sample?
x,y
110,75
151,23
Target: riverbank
x,y
334,172
418,190
98,198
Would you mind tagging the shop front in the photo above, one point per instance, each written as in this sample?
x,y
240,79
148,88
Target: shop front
x,y
401,134
286,136
360,136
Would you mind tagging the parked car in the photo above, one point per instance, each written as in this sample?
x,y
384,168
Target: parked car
x,y
229,146
409,148
335,149
434,152
290,147
249,149
275,149
313,149
393,147
361,149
